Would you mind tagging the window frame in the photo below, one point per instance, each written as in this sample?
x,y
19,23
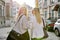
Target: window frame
x,y
45,14
58,0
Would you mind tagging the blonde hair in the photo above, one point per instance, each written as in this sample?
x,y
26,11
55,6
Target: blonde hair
x,y
26,13
20,11
37,15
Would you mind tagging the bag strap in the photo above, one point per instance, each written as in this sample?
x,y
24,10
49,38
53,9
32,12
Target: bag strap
x,y
43,22
18,20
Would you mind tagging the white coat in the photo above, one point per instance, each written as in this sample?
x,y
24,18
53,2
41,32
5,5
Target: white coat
x,y
22,26
37,29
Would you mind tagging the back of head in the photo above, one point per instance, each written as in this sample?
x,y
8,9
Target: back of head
x,y
25,11
37,15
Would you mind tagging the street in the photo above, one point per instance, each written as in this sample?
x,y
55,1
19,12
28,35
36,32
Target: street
x,y
5,31
46,12
52,36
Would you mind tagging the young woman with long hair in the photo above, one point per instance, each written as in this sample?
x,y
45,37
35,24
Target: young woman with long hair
x,y
37,30
20,30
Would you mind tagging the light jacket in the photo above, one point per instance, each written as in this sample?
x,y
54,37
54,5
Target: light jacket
x,y
22,26
37,29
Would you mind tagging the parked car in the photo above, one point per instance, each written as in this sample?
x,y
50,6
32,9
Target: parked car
x,y
50,25
57,27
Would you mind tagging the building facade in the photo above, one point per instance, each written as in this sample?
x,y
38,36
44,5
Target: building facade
x,y
15,8
8,5
40,4
2,10
49,9
5,11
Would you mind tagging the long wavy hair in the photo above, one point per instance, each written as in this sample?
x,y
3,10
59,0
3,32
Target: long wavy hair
x,y
21,10
18,14
25,11
37,15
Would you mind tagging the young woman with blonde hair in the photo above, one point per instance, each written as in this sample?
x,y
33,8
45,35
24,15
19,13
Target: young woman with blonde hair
x,y
37,27
20,31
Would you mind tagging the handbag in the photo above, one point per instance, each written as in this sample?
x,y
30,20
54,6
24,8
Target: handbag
x,y
44,29
14,35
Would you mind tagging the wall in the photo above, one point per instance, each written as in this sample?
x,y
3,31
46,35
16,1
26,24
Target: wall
x,y
2,18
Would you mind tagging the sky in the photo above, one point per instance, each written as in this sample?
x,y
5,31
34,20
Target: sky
x,y
29,2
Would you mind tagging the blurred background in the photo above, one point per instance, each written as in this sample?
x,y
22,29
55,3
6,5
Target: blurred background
x,y
49,10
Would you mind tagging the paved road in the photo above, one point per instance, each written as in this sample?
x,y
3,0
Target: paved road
x,y
52,36
4,32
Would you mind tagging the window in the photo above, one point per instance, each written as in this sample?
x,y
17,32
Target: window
x,y
17,8
59,12
3,12
45,3
52,1
39,0
45,0
58,0
52,14
0,10
45,14
40,5
14,9
58,21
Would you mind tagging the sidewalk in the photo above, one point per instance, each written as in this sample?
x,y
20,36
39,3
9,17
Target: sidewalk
x,y
4,32
52,36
